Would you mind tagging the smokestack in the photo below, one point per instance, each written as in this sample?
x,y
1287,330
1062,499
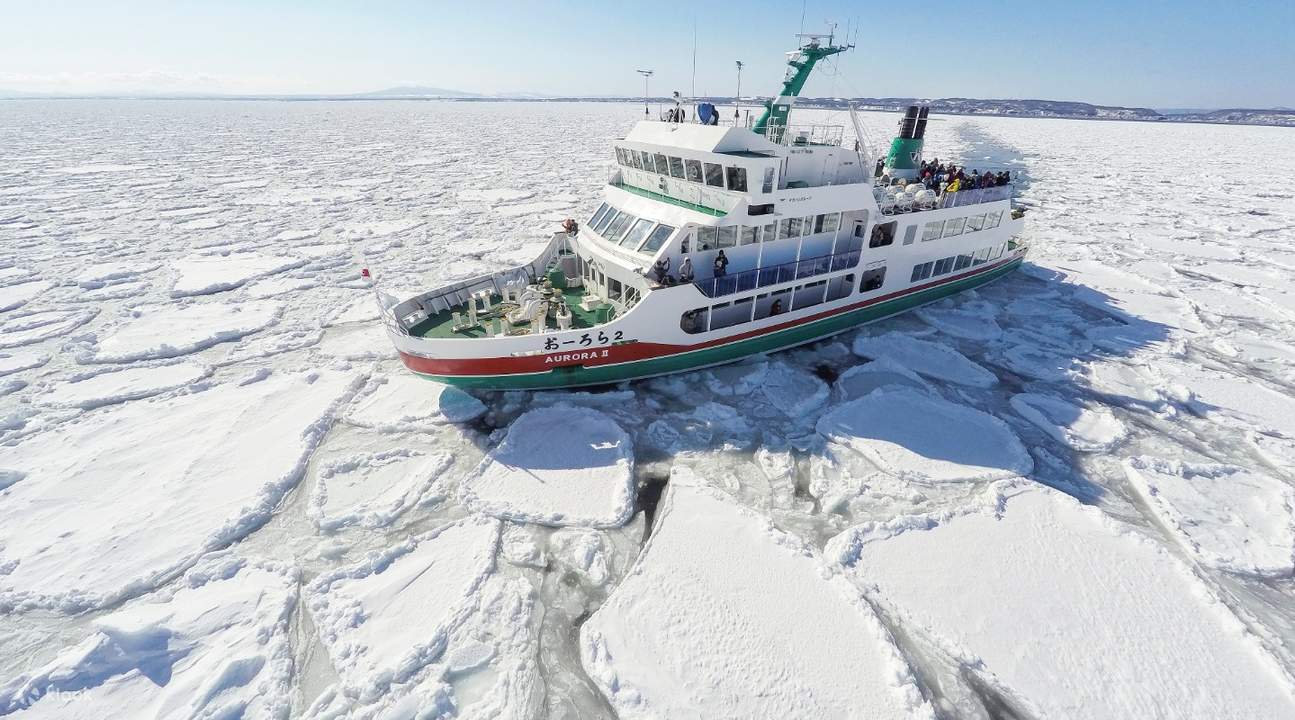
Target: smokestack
x,y
920,131
909,123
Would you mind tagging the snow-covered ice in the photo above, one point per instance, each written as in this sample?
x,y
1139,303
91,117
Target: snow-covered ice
x,y
925,357
725,616
161,331
892,428
217,646
1235,519
559,465
115,504
174,273
1081,615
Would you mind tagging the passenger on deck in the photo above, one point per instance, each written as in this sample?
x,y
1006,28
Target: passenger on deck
x,y
776,307
685,271
721,264
661,270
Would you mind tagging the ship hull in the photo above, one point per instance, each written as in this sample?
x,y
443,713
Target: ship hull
x,y
639,360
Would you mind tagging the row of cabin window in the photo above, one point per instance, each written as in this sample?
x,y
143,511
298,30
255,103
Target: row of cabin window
x,y
937,229
759,307
630,232
712,174
944,266
713,238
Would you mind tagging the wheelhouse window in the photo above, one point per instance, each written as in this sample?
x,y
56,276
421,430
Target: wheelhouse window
x,y
932,230
767,187
657,238
750,235
714,175
606,220
693,170
827,223
635,159
975,222
807,225
770,233
726,237
618,227
637,233
954,227
705,238
662,165
676,167
981,257
992,219
599,213
873,279
620,156
910,234
645,160
736,179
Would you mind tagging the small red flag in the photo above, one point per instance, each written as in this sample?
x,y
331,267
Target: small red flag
x,y
364,272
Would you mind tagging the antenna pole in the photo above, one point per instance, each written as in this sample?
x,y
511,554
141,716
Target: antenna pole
x,y
646,74
693,91
737,100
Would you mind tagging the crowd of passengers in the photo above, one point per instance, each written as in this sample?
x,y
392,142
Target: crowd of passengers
x,y
946,177
661,270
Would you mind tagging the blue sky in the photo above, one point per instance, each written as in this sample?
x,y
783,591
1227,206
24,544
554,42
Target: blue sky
x,y
1189,53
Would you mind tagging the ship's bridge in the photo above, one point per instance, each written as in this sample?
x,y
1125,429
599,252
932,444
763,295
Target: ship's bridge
x,y
713,169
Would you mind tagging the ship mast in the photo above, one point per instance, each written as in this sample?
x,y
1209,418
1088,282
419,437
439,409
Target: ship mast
x,y
799,65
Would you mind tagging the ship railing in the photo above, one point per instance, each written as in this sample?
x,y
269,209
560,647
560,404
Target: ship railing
x,y
975,197
777,274
797,135
448,297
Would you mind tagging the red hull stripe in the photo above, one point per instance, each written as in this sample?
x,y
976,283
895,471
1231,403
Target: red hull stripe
x,y
632,352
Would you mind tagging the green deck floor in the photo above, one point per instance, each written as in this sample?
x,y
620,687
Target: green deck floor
x,y
440,325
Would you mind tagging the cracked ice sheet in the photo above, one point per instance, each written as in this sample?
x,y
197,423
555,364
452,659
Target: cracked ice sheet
x,y
724,616
207,274
158,331
117,386
1233,518
559,465
387,618
114,504
408,402
924,357
1080,614
216,646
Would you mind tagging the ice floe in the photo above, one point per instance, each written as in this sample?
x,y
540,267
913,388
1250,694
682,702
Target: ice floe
x,y
390,616
723,616
911,434
373,489
19,360
1079,427
932,359
157,331
559,465
115,503
1235,519
216,647
406,401
131,383
17,295
1072,610
207,274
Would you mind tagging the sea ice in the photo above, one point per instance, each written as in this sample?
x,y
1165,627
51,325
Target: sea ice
x,y
215,647
207,274
373,489
388,617
1078,427
560,465
936,360
406,401
723,616
17,361
131,383
158,331
1232,518
1078,613
17,295
911,434
114,503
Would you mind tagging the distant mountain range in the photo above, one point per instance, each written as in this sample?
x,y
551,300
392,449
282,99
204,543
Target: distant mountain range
x,y
1281,116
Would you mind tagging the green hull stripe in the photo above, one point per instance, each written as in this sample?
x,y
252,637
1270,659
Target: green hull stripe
x,y
601,374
